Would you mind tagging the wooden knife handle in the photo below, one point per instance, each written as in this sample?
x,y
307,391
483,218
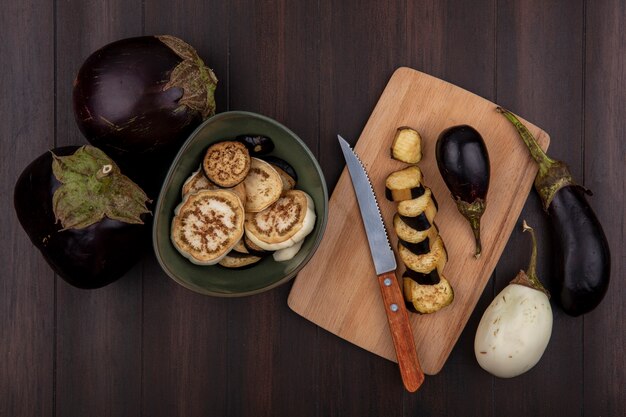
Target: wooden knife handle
x,y
401,332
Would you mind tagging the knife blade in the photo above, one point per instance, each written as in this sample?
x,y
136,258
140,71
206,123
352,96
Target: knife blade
x,y
385,266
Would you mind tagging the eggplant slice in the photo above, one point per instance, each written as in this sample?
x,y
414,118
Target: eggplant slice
x,y
286,222
236,260
410,234
404,184
428,298
263,186
226,163
425,263
407,145
197,182
288,182
207,225
253,248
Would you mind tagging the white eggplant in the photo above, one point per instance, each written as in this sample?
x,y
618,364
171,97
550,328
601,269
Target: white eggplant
x,y
516,327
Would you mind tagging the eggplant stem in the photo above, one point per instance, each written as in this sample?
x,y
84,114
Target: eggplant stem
x,y
536,152
531,272
553,175
104,171
473,212
476,229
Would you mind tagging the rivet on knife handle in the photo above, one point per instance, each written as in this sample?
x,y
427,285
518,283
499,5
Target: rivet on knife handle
x,y
398,318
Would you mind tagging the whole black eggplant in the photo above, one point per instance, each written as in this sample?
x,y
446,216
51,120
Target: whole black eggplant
x,y
142,95
584,259
463,162
138,99
84,252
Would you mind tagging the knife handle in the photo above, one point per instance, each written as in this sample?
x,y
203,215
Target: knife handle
x,y
401,332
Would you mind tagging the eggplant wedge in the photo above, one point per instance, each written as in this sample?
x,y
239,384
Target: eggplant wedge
x,y
197,182
226,163
407,145
285,222
428,298
404,184
207,225
240,247
418,213
263,186
411,235
419,205
253,248
430,278
425,263
236,260
288,182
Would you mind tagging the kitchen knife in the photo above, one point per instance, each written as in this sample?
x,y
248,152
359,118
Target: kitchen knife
x,y
385,265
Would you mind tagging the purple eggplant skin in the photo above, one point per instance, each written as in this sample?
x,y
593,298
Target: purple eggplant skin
x,y
584,260
119,102
582,268
463,162
138,99
86,258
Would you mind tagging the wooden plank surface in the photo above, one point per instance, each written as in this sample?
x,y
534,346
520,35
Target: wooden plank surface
x,y
185,336
348,93
559,113
434,47
145,346
27,286
98,341
334,291
604,144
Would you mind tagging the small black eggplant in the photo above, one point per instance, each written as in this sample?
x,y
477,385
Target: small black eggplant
x,y
583,257
85,217
463,162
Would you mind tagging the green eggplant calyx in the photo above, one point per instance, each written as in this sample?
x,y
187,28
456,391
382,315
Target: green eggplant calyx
x,y
473,212
550,179
92,187
530,278
197,81
552,175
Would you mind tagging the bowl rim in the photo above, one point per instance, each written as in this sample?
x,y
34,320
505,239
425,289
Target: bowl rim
x,y
168,180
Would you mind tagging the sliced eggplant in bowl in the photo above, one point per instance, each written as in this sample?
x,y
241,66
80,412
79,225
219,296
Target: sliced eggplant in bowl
x,y
266,273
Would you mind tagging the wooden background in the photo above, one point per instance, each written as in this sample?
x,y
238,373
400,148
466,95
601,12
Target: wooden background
x,y
145,346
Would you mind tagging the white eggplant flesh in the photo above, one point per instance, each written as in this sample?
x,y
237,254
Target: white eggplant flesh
x,y
287,254
514,331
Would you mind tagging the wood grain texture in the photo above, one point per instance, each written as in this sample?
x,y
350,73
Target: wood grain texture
x,y
604,141
401,333
185,336
27,286
360,45
334,295
146,347
438,44
274,62
98,341
539,75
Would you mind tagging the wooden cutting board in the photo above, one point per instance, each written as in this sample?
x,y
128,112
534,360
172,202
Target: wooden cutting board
x,y
338,290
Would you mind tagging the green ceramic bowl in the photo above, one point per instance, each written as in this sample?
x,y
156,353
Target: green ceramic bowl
x,y
216,280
